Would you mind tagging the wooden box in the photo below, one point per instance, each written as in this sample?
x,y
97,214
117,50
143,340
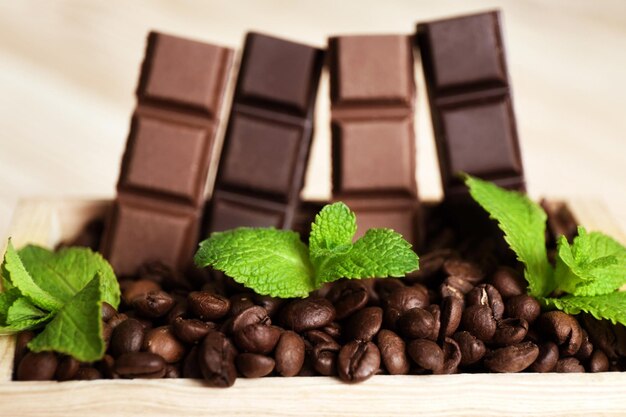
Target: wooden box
x,y
46,222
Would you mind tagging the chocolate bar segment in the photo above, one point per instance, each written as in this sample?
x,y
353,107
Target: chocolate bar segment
x,y
268,138
470,101
161,189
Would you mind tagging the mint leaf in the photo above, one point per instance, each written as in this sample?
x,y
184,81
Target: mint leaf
x,y
19,277
76,330
606,306
332,231
271,262
7,298
379,253
595,264
523,223
22,315
66,272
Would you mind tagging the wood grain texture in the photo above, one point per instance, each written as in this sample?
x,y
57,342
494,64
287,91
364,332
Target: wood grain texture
x,y
46,222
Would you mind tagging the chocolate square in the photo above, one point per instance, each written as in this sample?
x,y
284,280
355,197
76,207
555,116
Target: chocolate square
x,y
232,212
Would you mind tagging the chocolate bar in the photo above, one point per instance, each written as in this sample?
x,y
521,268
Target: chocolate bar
x,y
161,188
470,101
267,142
372,90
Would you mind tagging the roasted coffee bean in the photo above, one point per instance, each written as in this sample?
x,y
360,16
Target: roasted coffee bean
x,y
431,264
191,364
384,287
172,371
37,367
402,300
162,342
107,311
472,348
21,341
486,295
568,365
257,338
586,348
426,354
451,314
253,365
67,368
324,358
523,306
271,304
289,354
180,309
435,311
514,358
598,362
563,329
333,330
453,283
138,288
216,357
145,323
106,332
365,323
393,352
468,271
191,330
153,304
508,282
451,357
252,315
416,323
315,337
207,305
610,338
127,337
116,320
87,374
140,365
240,302
307,314
510,332
347,297
106,366
479,321
357,361
547,358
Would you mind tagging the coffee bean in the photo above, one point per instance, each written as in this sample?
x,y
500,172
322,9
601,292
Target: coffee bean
x,y
384,287
547,358
87,374
435,311
37,367
472,348
252,315
357,361
508,282
138,288
479,321
106,366
402,300
608,337
510,332
598,362
289,354
116,320
586,348
191,330
416,323
216,360
67,368
563,329
240,302
431,264
324,358
333,330
456,285
514,358
451,314
162,342
365,323
153,304
191,364
140,365
568,365
253,365
180,309
468,271
257,338
207,305
108,311
348,297
447,290
523,306
451,357
486,295
393,352
315,337
172,371
126,337
21,341
426,354
271,304
307,314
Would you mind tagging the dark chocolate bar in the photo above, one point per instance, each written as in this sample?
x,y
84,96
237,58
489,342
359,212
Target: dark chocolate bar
x,y
373,139
470,101
161,189
267,142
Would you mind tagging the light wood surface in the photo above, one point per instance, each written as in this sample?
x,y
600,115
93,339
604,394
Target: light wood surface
x,y
68,70
47,222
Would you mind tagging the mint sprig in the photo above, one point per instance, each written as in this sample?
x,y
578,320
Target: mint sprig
x,y
275,262
588,273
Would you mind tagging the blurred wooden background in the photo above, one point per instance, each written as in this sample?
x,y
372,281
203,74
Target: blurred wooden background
x,y
68,71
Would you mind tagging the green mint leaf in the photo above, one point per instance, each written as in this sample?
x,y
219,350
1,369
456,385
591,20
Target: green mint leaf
x,y
379,253
7,298
66,272
22,315
76,329
606,306
594,264
332,231
271,262
24,282
523,223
